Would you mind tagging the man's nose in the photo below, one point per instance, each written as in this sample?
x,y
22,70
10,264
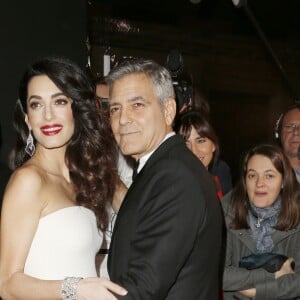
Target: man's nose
x,y
296,129
125,116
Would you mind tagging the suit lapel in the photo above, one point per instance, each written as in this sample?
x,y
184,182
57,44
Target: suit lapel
x,y
157,155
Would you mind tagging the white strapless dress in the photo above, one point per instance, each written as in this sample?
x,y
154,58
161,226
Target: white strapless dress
x,y
65,244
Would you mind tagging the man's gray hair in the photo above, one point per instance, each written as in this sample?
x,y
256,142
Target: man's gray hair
x,y
158,74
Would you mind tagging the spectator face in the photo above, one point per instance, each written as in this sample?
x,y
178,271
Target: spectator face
x,y
290,133
263,181
201,146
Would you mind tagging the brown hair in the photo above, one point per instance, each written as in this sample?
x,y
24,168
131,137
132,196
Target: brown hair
x,y
202,126
289,216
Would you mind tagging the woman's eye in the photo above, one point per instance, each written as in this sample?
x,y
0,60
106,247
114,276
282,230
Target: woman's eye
x,y
35,105
251,176
269,176
201,140
61,101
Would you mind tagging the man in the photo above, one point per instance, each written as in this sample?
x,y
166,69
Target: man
x,y
167,237
288,131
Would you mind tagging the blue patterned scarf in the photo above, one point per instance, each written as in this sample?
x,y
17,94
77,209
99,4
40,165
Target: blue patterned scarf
x,y
262,222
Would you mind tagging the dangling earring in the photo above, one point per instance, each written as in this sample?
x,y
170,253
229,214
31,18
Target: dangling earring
x,y
30,147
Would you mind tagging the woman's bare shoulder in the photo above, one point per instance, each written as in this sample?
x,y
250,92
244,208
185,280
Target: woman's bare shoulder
x,y
25,184
27,174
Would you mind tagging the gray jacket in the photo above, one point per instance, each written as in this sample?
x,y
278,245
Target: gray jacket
x,y
239,243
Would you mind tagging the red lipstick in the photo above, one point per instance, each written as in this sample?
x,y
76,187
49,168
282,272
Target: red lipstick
x,y
53,129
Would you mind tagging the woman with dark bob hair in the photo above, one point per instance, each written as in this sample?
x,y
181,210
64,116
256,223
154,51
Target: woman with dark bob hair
x,y
263,232
55,205
201,139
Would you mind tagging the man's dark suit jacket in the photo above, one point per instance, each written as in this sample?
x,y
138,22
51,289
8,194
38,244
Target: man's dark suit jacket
x,y
167,237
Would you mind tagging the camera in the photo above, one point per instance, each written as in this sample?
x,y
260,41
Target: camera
x,y
183,89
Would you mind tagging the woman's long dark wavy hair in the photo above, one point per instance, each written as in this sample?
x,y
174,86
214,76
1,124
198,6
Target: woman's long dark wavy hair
x,y
289,216
202,126
91,155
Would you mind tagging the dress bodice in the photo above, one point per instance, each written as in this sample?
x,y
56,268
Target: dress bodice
x,y
65,244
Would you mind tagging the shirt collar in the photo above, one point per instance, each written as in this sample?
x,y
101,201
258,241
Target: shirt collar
x,y
144,158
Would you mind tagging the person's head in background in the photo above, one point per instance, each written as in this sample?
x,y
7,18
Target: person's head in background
x,y
288,132
200,137
267,178
102,93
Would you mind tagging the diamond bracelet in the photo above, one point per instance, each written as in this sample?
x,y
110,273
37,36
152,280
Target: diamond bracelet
x,y
69,288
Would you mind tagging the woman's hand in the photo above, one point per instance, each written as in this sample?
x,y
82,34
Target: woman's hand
x,y
98,289
286,268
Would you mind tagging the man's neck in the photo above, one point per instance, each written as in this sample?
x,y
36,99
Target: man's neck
x,y
295,162
144,158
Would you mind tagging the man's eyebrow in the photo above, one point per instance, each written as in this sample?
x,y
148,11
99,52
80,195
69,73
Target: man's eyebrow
x,y
137,98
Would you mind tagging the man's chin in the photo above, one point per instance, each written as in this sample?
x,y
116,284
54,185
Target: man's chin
x,y
126,151
291,154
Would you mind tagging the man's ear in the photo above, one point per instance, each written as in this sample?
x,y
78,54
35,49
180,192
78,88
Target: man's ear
x,y
170,111
27,122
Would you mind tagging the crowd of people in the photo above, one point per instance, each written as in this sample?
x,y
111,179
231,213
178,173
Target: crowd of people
x,y
118,193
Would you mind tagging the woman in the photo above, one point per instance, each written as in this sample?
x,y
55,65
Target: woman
x,y
262,220
54,207
202,140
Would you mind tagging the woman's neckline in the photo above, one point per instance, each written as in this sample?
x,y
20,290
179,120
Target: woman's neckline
x,y
63,208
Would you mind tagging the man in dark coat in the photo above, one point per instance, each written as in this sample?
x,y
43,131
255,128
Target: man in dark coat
x,y
167,237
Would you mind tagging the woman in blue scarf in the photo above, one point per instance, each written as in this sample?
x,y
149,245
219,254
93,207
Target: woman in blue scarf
x,y
263,232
